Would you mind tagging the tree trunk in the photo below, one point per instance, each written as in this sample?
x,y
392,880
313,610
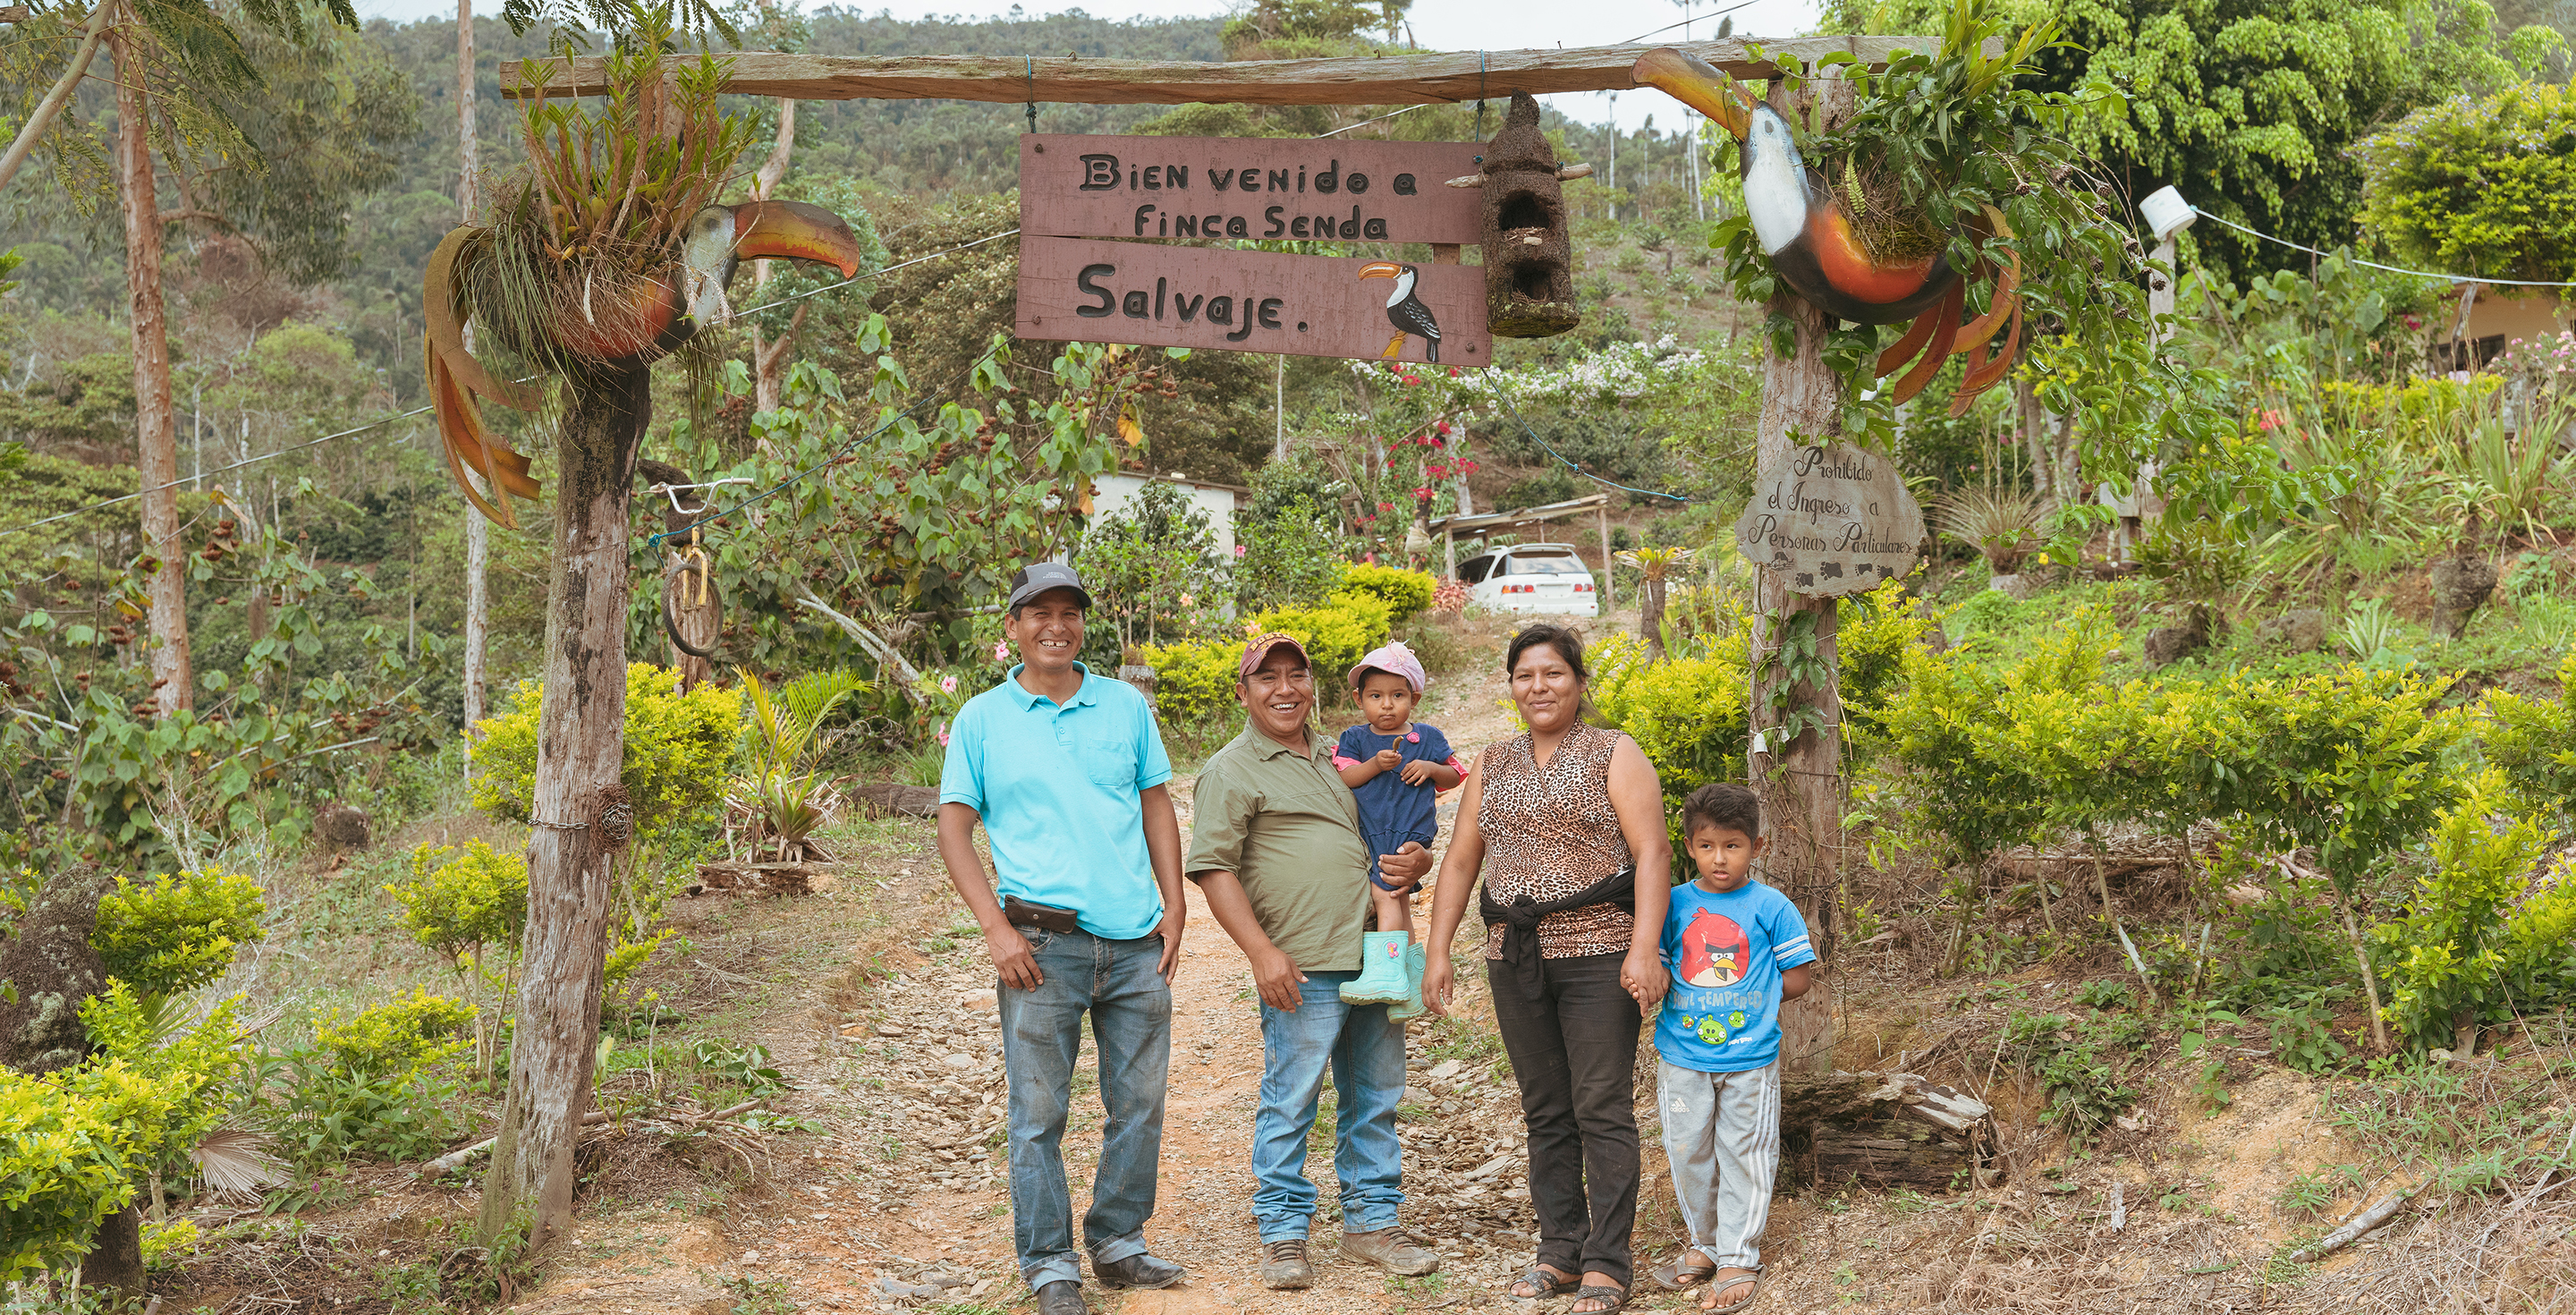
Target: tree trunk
x,y
2361,957
115,1258
478,531
156,432
581,728
1650,616
1800,782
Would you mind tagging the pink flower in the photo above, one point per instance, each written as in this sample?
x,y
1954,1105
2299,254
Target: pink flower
x,y
1386,506
1422,493
948,684
1443,426
942,734
1002,650
1238,550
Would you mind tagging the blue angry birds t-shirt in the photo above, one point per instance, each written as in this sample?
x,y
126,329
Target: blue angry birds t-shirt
x,y
1726,953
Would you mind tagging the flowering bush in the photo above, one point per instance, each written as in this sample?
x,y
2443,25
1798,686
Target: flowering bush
x,y
2479,186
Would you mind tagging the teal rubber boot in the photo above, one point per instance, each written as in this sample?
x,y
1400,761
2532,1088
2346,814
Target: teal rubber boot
x,y
1415,956
1381,979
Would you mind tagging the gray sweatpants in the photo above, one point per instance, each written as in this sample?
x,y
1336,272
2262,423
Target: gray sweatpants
x,y
1722,1135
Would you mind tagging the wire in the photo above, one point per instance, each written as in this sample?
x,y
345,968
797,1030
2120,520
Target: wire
x,y
2393,269
1506,399
422,410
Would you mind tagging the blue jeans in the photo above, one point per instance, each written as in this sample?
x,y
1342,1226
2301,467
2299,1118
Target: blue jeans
x,y
1131,1019
1366,1055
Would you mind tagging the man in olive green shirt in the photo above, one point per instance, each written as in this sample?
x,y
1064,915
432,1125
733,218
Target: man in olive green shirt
x,y
1276,848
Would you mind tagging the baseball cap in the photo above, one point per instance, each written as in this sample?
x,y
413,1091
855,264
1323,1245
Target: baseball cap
x,y
1259,648
1038,577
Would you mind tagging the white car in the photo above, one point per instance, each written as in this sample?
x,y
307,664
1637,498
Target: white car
x,y
1531,577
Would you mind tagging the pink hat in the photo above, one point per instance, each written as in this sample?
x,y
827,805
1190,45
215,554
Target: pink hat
x,y
1395,660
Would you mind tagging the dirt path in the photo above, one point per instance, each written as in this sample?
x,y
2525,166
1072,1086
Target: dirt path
x,y
901,1200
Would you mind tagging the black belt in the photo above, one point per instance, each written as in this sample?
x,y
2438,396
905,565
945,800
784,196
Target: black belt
x,y
1520,920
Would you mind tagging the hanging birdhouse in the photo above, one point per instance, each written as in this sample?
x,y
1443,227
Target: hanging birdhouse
x,y
1529,249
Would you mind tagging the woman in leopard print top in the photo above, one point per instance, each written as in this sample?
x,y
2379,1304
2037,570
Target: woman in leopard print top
x,y
1566,824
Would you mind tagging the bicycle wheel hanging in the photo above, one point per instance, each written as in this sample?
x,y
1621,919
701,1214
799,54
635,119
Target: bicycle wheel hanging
x,y
693,609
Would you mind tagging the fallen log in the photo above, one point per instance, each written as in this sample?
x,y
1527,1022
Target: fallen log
x,y
755,878
887,799
1887,1130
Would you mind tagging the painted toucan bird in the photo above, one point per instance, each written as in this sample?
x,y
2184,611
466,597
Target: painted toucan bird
x,y
634,322
1806,230
1404,310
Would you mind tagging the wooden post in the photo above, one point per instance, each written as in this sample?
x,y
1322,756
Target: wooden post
x,y
1801,781
1609,598
581,731
478,531
1449,552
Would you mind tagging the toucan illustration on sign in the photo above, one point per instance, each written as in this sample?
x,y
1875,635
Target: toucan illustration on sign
x,y
1854,254
1404,310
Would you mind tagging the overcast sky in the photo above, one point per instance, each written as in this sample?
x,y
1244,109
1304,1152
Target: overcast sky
x,y
1437,25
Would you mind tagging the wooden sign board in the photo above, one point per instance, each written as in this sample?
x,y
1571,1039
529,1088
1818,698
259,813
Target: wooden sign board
x,y
1158,295
1264,188
1833,519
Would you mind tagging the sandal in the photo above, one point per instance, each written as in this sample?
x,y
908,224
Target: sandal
x,y
1542,1284
1601,1292
1718,1285
1684,1272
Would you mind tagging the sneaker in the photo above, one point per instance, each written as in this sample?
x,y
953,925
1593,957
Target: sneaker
x,y
1381,979
1415,957
1387,1249
1286,1266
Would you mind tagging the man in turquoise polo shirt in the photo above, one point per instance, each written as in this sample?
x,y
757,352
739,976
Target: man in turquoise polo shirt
x,y
1066,771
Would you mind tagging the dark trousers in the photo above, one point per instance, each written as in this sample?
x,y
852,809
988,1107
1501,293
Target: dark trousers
x,y
1574,1051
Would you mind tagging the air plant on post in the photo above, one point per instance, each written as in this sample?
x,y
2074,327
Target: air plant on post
x,y
607,253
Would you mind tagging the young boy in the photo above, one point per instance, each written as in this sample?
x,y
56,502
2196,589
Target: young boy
x,y
1736,949
1396,767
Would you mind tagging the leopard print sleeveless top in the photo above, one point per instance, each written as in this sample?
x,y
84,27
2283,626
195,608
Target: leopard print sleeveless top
x,y
1550,832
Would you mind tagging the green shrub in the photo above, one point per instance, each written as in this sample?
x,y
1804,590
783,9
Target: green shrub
x,y
457,907
76,1144
2534,740
176,932
399,1038
2457,957
1195,682
678,749
1405,592
1687,714
1336,632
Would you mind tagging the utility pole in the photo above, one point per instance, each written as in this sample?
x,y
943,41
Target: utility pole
x,y
1279,408
478,531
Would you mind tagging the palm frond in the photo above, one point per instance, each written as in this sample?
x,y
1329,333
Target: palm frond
x,y
237,1160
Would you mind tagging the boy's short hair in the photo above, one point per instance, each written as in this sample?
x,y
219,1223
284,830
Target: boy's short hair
x,y
1732,807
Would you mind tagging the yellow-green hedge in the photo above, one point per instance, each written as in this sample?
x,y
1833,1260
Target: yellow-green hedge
x,y
1406,592
1195,682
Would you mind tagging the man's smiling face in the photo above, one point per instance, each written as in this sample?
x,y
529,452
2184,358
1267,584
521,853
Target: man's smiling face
x,y
1279,693
1047,631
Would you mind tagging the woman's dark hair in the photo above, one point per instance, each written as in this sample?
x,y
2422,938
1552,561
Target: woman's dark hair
x,y
1568,645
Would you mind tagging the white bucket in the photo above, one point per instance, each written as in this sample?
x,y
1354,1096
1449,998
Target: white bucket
x,y
2166,212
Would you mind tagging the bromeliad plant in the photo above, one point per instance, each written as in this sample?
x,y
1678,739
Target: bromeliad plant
x,y
1947,184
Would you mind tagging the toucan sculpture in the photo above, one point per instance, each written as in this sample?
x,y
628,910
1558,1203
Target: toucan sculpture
x,y
1404,310
1807,230
615,322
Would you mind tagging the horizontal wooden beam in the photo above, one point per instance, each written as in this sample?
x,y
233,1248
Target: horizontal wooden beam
x,y
1372,80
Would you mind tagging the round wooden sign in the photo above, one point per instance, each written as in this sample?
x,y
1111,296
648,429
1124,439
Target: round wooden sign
x,y
1832,520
